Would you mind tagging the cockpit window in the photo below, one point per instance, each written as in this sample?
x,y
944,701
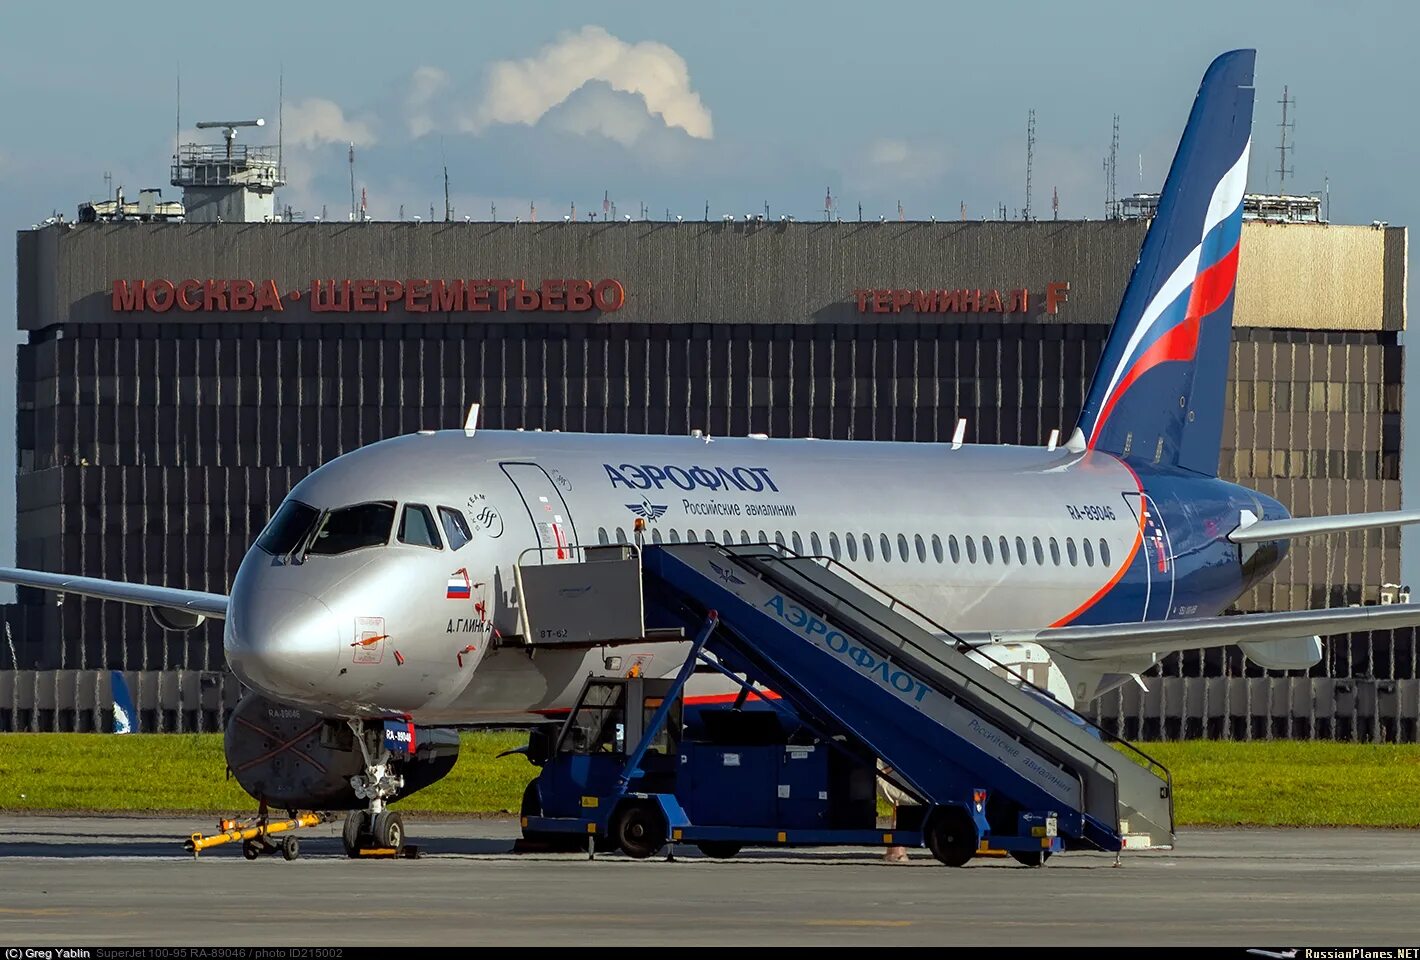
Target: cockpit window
x,y
293,520
350,528
456,529
416,527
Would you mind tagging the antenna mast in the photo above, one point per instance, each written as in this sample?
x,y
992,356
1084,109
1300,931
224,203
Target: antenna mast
x,y
280,114
1111,172
1282,169
1030,156
352,179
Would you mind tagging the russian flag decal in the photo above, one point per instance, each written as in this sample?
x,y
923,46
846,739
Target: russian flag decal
x,y
460,588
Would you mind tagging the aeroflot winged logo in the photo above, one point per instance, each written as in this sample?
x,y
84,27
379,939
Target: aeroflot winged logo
x,y
651,512
724,574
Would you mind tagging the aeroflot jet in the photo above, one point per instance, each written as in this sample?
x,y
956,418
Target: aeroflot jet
x,y
384,585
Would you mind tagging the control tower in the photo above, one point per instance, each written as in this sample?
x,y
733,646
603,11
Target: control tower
x,y
228,181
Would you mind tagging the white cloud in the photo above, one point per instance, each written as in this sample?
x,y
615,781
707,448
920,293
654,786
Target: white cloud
x,y
315,121
902,162
424,85
523,91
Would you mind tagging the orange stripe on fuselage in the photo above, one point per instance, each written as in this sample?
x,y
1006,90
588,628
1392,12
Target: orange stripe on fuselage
x,y
1124,567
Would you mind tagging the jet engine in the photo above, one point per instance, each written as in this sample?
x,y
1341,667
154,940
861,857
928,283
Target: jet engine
x,y
171,619
297,760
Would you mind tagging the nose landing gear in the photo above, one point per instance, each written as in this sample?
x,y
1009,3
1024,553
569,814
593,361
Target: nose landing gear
x,y
374,831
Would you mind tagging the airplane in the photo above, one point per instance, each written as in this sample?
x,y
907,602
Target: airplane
x,y
384,585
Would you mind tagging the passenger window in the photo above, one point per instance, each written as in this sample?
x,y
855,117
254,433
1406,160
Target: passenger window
x,y
1104,551
729,538
867,547
456,529
970,549
1071,552
350,528
815,545
656,535
798,543
902,547
620,535
1021,551
987,553
852,543
1054,552
1039,551
937,547
955,548
601,536
762,538
886,547
1005,551
1089,551
675,535
416,527
833,545
744,536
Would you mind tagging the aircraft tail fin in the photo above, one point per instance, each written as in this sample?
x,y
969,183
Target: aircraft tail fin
x,y
1159,393
125,718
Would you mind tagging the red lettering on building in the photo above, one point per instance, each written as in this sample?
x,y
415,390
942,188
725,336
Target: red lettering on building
x,y
366,295
958,300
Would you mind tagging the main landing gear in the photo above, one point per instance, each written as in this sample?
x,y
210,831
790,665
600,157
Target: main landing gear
x,y
374,831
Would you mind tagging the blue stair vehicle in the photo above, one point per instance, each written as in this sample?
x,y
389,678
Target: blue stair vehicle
x,y
859,687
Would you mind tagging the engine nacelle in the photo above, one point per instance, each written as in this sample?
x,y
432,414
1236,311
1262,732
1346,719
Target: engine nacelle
x,y
171,619
297,760
1293,653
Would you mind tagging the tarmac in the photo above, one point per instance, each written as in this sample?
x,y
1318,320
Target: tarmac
x,y
91,881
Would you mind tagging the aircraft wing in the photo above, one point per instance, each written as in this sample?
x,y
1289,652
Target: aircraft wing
x,y
213,605
1111,640
1253,530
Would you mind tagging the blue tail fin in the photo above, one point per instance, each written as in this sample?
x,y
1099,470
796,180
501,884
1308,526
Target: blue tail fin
x,y
125,718
1159,392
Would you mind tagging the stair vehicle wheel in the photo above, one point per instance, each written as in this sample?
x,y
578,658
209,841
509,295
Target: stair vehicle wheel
x,y
251,849
952,836
389,830
1031,858
719,849
639,829
353,834
290,848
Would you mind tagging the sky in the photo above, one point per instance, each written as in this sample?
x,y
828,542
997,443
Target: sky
x,y
539,106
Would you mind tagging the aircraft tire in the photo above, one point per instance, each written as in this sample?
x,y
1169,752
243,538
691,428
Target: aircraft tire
x,y
353,833
389,830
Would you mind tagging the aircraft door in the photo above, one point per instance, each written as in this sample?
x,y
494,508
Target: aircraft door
x,y
1157,551
551,520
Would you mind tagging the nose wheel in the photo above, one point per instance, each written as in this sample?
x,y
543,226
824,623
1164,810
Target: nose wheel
x,y
374,831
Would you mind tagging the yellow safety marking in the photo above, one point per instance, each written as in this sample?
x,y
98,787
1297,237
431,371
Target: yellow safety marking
x,y
1037,831
887,838
675,834
591,828
1045,843
589,801
783,837
983,847
524,821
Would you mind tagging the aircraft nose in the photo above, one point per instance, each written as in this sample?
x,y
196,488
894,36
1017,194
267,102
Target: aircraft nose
x,y
281,642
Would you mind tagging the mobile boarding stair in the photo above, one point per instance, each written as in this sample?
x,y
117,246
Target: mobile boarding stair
x,y
995,763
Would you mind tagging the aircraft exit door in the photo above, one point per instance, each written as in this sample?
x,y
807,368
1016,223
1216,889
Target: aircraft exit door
x,y
551,520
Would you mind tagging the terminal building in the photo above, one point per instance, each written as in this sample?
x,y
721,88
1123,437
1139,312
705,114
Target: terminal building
x,y
183,372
